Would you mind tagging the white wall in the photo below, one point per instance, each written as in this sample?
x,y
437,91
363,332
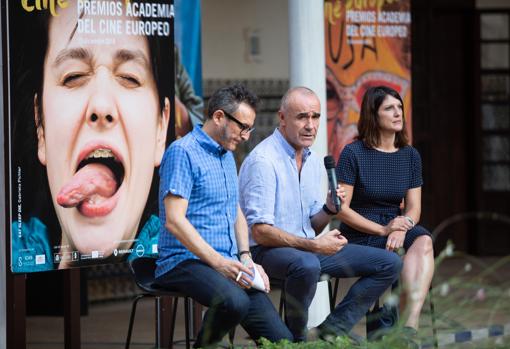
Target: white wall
x,y
224,25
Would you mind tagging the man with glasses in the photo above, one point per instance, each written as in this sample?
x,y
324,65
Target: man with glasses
x,y
280,183
203,244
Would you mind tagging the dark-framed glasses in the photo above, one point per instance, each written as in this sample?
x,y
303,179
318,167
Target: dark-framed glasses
x,y
245,129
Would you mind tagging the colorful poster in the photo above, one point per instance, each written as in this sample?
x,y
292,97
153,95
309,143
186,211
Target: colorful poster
x,y
368,43
90,85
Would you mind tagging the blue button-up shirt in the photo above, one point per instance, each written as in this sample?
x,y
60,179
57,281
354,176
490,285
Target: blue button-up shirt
x,y
199,170
273,192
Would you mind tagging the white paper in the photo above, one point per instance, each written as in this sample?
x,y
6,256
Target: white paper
x,y
258,282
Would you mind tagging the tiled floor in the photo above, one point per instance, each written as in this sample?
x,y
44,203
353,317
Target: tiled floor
x,y
468,294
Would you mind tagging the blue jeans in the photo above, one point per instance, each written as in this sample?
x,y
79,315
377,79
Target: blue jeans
x,y
301,270
229,305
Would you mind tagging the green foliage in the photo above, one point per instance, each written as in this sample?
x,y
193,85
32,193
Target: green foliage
x,y
338,342
469,293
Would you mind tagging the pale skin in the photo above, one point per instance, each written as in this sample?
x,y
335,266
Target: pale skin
x,y
299,122
418,266
228,135
99,97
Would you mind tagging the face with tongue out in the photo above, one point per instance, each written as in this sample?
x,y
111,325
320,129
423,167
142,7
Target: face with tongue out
x,y
101,133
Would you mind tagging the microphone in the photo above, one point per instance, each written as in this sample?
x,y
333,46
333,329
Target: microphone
x,y
329,163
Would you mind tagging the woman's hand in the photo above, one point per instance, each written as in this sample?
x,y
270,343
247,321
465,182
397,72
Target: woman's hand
x,y
395,240
396,224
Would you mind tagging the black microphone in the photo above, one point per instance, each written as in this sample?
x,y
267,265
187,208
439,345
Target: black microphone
x,y
329,162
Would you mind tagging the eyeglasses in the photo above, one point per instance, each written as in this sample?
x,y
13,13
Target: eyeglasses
x,y
245,129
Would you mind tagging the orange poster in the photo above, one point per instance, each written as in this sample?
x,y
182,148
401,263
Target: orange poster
x,y
368,43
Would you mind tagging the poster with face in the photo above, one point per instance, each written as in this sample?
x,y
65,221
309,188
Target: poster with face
x,y
368,43
90,85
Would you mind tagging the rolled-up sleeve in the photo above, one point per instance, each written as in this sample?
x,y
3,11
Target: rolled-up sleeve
x,y
257,190
176,175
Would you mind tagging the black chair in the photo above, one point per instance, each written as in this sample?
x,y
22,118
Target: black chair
x,y
143,272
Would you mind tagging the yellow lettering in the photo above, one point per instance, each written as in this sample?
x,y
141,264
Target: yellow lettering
x,y
363,5
40,5
328,11
62,3
52,7
24,4
332,11
337,10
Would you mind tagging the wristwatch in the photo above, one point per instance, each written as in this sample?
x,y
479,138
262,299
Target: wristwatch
x,y
410,220
244,252
328,211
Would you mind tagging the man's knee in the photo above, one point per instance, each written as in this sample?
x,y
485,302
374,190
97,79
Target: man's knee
x,y
236,306
305,267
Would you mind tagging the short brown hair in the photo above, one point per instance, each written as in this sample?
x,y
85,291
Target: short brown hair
x,y
368,125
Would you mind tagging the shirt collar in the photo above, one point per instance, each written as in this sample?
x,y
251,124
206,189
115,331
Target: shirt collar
x,y
289,149
207,142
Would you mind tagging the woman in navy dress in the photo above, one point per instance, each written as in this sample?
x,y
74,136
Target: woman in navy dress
x,y
380,171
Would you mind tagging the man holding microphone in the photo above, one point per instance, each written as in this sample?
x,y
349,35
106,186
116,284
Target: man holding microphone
x,y
280,186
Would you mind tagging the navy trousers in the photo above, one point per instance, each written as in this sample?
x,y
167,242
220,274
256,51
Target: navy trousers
x,y
301,270
229,305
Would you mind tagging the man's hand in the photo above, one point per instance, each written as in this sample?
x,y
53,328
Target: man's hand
x,y
236,271
395,240
330,243
398,223
340,192
247,261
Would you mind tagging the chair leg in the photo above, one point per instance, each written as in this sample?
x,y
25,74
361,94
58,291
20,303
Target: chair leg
x,y
132,319
231,336
335,290
282,307
330,294
187,321
174,317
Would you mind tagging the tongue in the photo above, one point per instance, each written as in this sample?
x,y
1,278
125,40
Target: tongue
x,y
92,184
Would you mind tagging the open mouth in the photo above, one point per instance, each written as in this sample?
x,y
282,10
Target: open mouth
x,y
106,158
92,188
